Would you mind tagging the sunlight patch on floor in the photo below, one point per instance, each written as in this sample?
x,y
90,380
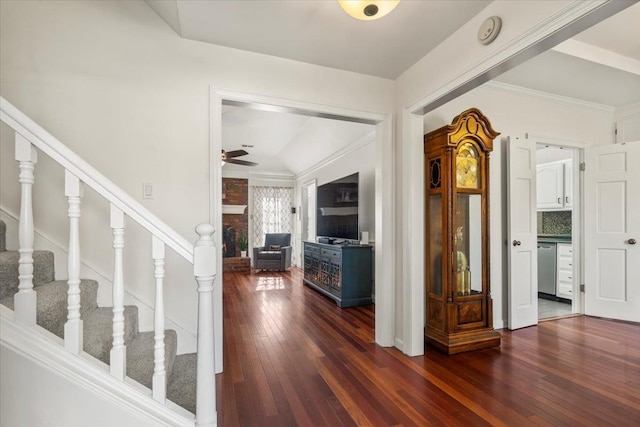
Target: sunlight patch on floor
x,y
270,283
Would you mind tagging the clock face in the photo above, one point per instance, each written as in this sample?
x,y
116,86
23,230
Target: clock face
x,y
467,171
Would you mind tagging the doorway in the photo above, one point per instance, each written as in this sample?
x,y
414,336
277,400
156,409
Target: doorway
x,y
557,216
384,184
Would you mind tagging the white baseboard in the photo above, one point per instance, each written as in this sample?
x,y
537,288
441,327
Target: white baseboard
x,y
399,344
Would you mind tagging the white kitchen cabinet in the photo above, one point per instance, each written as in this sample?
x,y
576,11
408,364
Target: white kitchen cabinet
x,y
554,186
564,278
568,184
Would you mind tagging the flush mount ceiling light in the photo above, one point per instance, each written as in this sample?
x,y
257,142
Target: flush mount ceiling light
x,y
368,10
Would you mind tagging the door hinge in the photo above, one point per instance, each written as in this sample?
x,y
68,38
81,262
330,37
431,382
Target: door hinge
x,y
581,288
583,166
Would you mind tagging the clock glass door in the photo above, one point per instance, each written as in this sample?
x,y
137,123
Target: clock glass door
x,y
468,244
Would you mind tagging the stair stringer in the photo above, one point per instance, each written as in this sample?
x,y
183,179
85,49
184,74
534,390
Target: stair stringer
x,y
47,350
187,342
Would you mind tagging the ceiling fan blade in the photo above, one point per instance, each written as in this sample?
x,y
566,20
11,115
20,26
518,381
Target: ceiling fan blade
x,y
234,153
241,162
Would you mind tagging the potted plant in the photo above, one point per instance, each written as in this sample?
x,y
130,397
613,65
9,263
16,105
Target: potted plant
x,y
243,242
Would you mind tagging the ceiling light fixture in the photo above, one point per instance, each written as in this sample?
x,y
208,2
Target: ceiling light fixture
x,y
368,10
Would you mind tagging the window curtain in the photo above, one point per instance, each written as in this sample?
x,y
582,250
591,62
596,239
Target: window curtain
x,y
271,212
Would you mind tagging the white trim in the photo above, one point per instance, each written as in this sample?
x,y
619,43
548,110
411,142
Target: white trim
x,y
399,344
301,107
36,345
598,55
384,280
558,99
354,146
215,218
572,143
412,251
385,243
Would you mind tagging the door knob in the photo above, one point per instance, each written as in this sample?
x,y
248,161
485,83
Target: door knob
x,y
631,241
517,243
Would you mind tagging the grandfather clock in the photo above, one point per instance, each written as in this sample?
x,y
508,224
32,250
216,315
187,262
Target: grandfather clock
x,y
458,306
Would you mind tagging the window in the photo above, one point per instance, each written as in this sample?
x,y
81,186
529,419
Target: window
x,y
271,212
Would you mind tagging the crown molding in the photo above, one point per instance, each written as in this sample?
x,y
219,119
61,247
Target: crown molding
x,y
628,110
598,55
365,140
558,99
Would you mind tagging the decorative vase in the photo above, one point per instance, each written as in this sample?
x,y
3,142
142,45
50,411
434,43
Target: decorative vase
x,y
243,254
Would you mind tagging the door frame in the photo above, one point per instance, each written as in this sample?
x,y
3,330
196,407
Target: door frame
x,y
306,208
384,196
577,212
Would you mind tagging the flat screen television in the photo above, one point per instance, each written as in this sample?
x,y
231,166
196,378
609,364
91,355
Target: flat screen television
x,y
337,209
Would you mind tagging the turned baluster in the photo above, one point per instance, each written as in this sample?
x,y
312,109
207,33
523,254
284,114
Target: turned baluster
x,y
25,299
73,327
159,372
118,351
204,268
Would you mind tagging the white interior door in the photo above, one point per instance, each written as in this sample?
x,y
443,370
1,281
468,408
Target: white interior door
x,y
612,228
522,233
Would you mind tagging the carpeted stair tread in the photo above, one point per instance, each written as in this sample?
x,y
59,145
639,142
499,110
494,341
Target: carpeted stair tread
x,y
98,325
52,303
182,383
3,236
98,330
140,358
43,270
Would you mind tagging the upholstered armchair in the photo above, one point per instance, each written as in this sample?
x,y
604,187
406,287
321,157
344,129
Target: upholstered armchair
x,y
275,254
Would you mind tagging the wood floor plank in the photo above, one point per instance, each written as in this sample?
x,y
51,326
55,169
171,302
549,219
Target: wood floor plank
x,y
292,357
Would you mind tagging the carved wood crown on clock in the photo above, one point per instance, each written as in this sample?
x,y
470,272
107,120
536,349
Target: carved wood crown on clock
x,y
459,305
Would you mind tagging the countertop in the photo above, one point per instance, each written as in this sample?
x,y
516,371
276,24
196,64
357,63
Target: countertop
x,y
554,238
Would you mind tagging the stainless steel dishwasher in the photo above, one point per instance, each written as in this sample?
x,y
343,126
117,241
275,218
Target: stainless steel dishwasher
x,y
547,268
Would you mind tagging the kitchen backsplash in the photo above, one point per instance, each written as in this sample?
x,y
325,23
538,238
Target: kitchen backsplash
x,y
554,222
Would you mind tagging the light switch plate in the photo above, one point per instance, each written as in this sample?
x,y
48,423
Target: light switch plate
x,y
147,190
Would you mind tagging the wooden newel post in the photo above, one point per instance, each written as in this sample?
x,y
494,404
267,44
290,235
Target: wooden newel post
x,y
204,269
25,299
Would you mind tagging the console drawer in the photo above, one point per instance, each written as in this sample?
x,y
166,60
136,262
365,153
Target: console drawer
x,y
332,253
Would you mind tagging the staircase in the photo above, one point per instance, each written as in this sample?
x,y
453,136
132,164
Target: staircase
x,y
97,331
33,297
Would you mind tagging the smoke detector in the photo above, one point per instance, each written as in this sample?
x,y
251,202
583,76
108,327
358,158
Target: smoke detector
x,y
489,29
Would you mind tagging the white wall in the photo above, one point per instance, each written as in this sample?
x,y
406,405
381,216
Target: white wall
x,y
361,160
112,81
35,396
513,114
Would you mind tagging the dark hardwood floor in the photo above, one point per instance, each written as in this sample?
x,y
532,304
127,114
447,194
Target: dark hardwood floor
x,y
294,358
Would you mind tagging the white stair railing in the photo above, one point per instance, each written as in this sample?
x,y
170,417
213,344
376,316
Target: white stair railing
x,y
118,357
25,299
159,372
28,137
73,328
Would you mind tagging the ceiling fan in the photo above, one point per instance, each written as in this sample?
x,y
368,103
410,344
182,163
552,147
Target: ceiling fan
x,y
229,157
